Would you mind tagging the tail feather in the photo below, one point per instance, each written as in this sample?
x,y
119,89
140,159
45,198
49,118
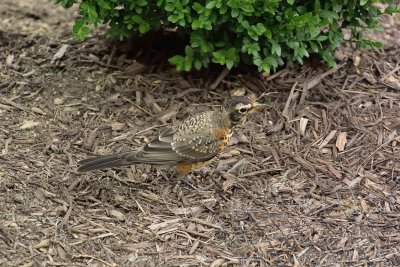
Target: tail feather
x,y
104,162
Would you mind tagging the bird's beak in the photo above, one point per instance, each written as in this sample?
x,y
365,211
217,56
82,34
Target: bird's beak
x,y
257,105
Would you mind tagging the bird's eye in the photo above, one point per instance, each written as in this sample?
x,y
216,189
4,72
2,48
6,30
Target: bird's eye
x,y
242,110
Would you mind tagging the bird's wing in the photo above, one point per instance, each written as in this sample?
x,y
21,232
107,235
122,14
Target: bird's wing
x,y
198,146
160,150
167,148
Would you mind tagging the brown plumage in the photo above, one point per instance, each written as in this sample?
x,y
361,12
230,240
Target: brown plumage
x,y
188,144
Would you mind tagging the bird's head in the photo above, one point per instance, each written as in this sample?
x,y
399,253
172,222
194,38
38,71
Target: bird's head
x,y
239,107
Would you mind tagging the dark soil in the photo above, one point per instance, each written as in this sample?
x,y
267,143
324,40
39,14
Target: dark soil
x,y
312,181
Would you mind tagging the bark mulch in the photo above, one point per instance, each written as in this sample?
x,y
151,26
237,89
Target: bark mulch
x,y
312,181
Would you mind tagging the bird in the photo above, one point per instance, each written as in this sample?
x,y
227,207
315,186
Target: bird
x,y
188,144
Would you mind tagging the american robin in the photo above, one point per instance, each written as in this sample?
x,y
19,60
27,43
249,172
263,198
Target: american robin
x,y
187,145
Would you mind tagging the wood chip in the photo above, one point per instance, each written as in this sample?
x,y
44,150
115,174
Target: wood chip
x,y
43,244
150,101
9,59
228,184
369,77
29,124
330,136
58,101
60,53
341,141
165,224
335,172
352,183
117,215
187,211
117,126
303,125
364,205
38,110
356,60
217,263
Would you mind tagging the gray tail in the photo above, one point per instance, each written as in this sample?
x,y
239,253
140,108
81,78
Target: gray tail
x,y
104,162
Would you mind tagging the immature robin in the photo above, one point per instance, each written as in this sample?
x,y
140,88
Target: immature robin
x,y
187,145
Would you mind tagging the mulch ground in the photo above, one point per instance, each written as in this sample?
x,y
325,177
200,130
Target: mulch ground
x,y
313,180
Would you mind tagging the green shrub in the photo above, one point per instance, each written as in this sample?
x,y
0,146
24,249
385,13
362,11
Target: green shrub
x,y
261,32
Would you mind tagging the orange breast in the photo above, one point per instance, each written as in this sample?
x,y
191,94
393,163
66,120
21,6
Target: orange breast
x,y
184,168
223,135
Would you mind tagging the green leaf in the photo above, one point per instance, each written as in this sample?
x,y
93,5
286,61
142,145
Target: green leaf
x,y
271,62
363,2
317,5
233,3
189,52
196,39
276,49
321,38
328,57
268,33
313,46
251,48
80,30
211,4
144,27
223,10
90,11
77,25
103,4
141,2
187,65
290,2
137,19
226,57
173,18
64,3
247,7
169,7
197,64
176,60
234,12
392,8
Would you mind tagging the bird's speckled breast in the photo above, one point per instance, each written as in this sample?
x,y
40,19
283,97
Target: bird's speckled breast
x,y
207,133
